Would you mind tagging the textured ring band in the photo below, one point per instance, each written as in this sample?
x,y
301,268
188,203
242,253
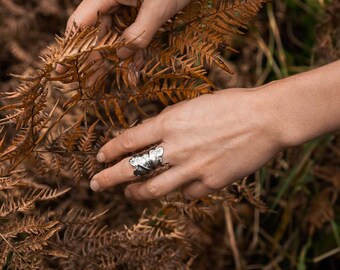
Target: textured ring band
x,y
148,162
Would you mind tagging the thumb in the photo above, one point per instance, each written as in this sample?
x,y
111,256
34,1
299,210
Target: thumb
x,y
151,16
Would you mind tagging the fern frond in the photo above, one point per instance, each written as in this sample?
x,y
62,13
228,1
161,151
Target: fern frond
x,y
108,262
61,121
205,31
21,145
27,202
36,242
170,91
15,181
71,136
50,194
76,166
21,205
82,232
79,42
87,139
57,163
91,166
55,253
80,217
41,164
194,47
31,261
30,225
179,64
31,98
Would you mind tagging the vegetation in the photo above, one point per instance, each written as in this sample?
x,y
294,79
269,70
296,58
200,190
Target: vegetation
x,y
52,125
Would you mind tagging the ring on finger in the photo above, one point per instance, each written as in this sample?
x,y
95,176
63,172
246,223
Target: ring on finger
x,y
147,162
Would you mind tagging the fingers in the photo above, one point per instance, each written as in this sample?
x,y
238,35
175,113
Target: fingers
x,y
151,16
120,173
106,23
131,140
138,60
96,57
123,172
158,186
86,13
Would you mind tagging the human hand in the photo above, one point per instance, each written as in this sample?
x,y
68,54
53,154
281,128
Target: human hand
x,y
209,142
151,16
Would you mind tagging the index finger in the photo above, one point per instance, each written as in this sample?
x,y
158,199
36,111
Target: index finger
x,y
86,13
133,139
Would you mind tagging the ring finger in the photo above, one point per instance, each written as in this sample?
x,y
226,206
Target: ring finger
x,y
122,172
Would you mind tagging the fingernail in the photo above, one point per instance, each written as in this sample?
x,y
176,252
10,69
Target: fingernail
x,y
95,185
127,194
101,157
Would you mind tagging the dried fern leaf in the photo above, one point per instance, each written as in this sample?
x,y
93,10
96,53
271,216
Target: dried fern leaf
x,y
27,202
80,217
30,225
36,242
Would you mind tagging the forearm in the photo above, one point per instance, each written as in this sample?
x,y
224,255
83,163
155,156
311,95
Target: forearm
x,y
307,105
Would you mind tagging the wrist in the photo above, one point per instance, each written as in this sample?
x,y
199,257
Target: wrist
x,y
279,120
266,116
302,107
278,116
273,113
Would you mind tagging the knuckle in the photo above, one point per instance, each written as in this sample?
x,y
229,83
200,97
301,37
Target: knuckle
x,y
211,183
127,141
168,125
153,190
198,167
105,179
134,193
174,121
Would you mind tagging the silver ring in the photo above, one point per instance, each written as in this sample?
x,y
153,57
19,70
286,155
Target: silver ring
x,y
148,162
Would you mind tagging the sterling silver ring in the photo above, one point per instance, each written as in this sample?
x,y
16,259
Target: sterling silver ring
x,y
148,162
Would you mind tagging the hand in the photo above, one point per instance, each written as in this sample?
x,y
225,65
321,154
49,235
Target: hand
x,y
216,139
152,15
209,142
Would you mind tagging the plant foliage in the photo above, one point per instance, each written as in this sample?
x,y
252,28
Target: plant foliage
x,y
53,124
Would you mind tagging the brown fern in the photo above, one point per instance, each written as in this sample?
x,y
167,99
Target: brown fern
x,y
52,126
